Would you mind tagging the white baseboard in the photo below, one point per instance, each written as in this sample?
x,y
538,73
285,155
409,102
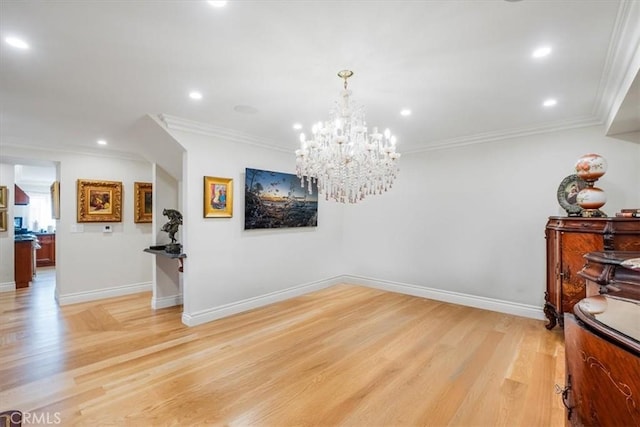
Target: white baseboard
x,y
164,302
204,316
7,286
485,303
103,293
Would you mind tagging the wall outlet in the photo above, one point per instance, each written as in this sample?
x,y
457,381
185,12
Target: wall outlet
x,y
77,228
107,229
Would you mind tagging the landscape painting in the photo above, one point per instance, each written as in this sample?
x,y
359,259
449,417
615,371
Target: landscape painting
x,y
277,200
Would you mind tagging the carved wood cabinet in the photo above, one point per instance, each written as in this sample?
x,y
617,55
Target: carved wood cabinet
x,y
568,240
602,348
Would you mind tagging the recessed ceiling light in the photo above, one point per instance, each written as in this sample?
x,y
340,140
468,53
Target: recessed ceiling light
x,y
195,95
101,142
405,112
549,102
297,126
17,43
221,3
541,52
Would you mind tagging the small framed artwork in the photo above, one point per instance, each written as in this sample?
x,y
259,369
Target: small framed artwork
x,y
143,202
3,220
55,200
218,197
3,197
99,201
568,193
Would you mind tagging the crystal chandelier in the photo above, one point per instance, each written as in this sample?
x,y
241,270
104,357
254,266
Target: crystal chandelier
x,y
346,161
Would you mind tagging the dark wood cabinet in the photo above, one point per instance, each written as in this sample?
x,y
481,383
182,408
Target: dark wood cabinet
x,y
608,273
23,263
46,255
602,351
568,240
21,198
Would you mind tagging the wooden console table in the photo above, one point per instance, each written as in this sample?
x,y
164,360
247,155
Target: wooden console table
x,y
602,348
568,239
605,273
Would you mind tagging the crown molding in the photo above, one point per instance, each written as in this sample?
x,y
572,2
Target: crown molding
x,y
482,138
623,46
180,124
50,153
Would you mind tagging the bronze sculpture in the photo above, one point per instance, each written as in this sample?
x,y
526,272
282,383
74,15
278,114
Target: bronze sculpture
x,y
171,227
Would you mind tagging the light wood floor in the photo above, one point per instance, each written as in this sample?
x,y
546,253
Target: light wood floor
x,y
347,355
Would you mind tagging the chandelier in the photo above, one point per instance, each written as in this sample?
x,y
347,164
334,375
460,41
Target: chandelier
x,y
347,161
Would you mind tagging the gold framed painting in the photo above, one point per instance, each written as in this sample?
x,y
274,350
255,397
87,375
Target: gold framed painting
x,y
3,197
55,200
143,202
99,201
218,197
3,220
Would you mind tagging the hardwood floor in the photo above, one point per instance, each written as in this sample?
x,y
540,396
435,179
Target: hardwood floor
x,y
346,355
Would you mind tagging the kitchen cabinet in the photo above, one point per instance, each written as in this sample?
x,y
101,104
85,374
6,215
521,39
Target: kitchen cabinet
x,y
24,263
46,255
20,197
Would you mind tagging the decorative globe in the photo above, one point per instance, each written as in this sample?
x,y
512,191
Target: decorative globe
x,y
591,198
591,166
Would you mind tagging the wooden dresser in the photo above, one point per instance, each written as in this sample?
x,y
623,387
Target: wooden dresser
x,y
607,273
568,240
602,348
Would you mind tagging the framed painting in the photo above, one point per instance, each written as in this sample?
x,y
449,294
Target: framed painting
x,y
218,197
3,221
143,202
99,201
3,197
55,200
278,200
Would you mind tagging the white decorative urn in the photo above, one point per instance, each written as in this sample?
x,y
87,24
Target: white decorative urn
x,y
590,167
591,198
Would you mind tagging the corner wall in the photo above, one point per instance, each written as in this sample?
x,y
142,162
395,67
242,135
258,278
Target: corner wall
x,y
228,269
92,264
7,278
470,221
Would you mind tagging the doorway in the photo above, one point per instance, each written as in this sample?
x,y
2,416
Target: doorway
x,y
35,222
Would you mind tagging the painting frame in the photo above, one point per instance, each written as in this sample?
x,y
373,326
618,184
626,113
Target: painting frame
x,y
143,203
567,194
278,200
4,193
3,220
213,188
99,201
55,199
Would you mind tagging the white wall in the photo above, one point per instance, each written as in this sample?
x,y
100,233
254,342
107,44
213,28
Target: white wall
x,y
167,290
471,220
92,264
227,265
7,282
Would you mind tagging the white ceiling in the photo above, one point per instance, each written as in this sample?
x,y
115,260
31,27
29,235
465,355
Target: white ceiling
x,y
463,67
